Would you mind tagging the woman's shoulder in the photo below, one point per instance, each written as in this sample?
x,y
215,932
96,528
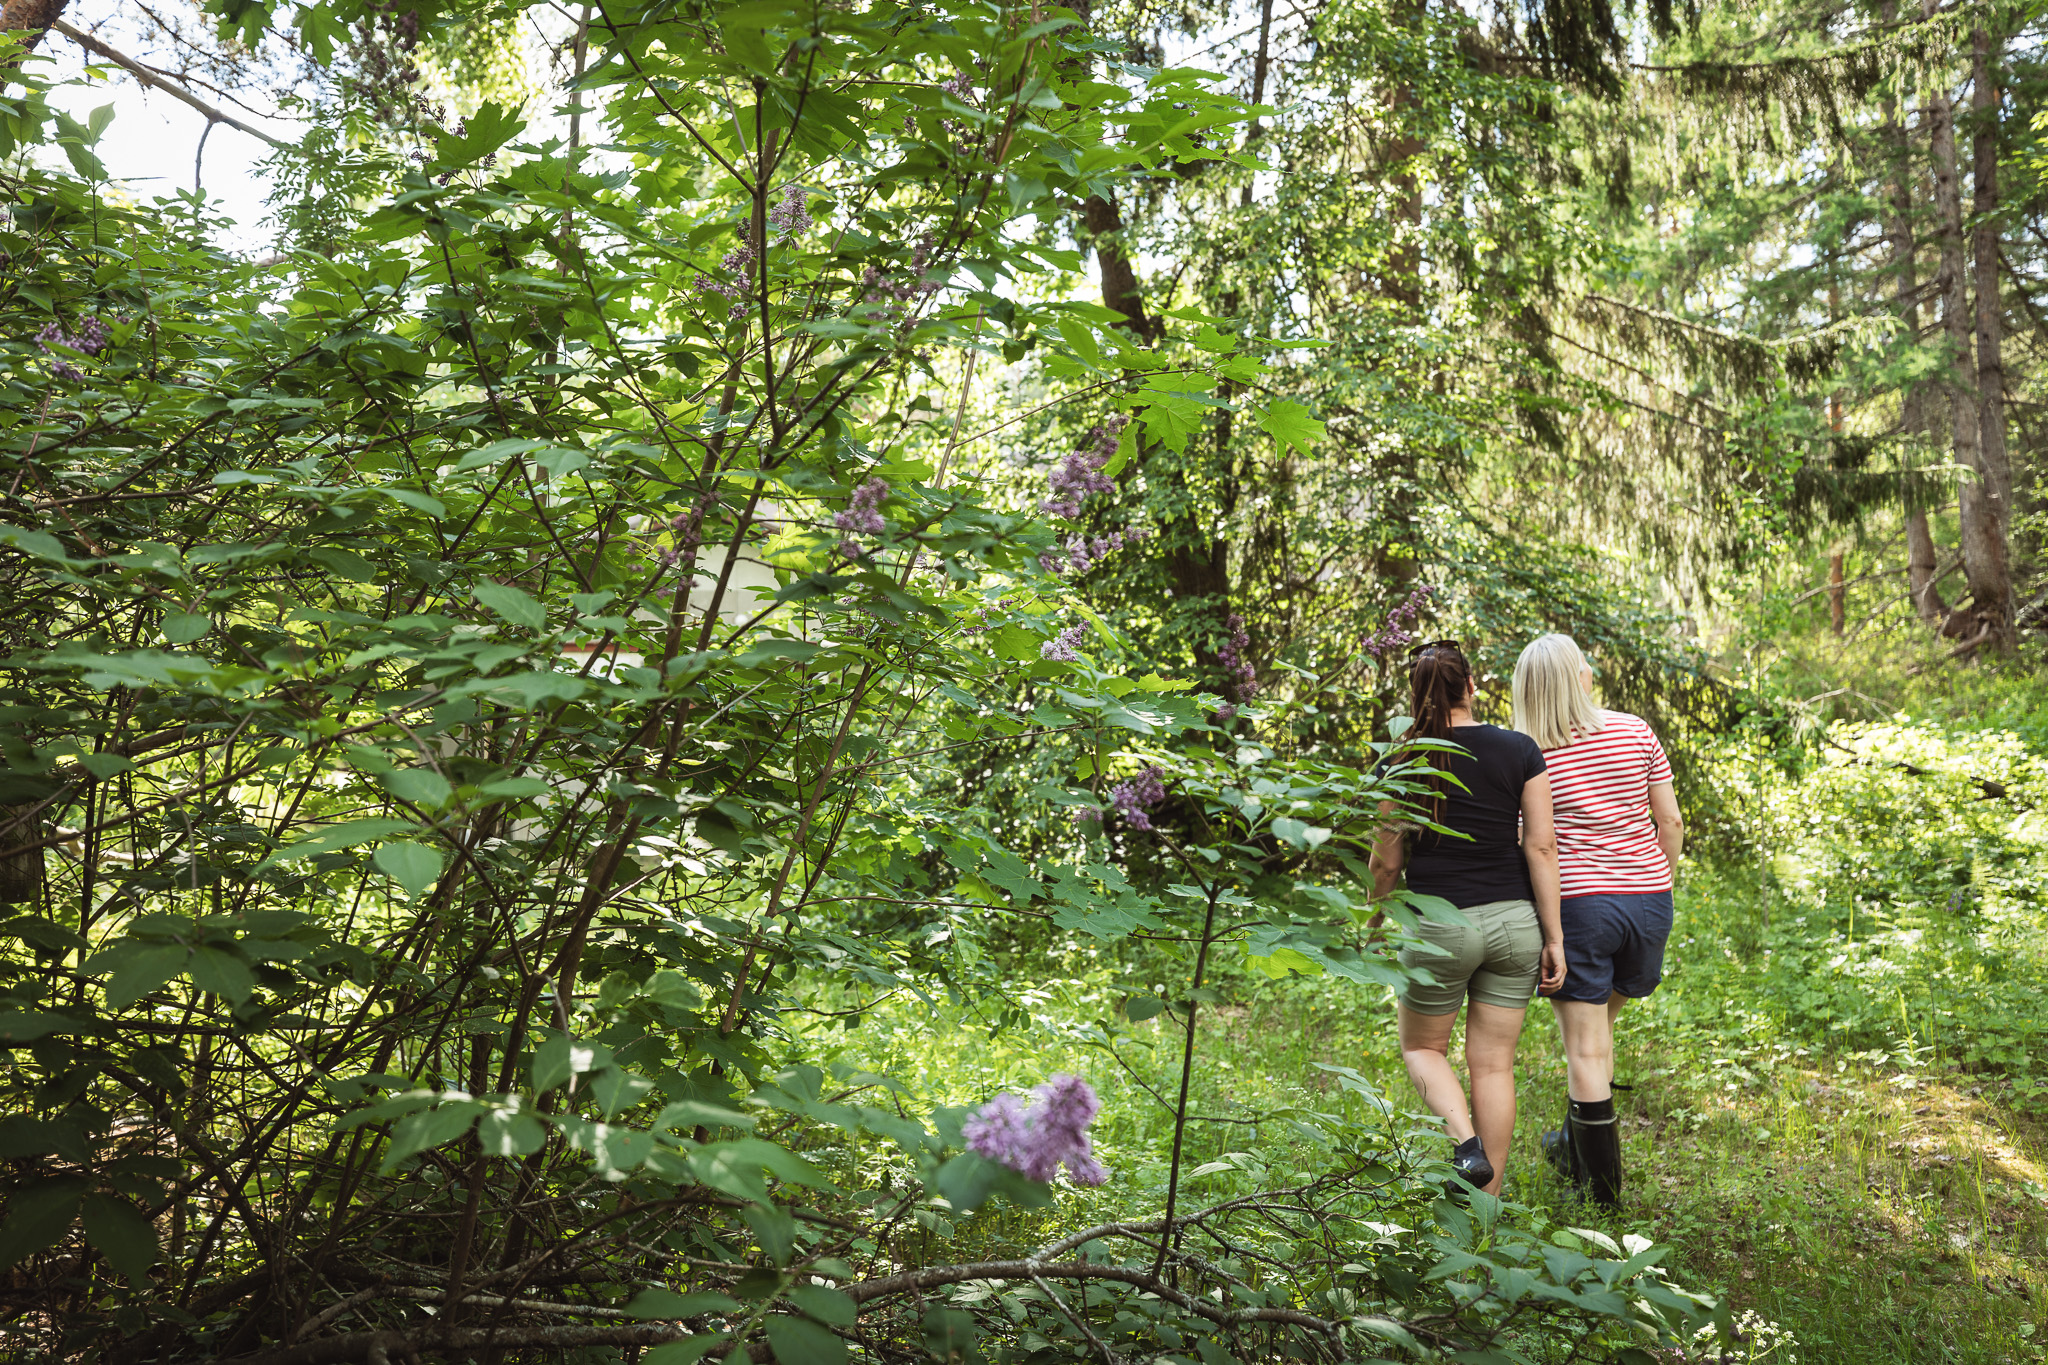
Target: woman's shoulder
x,y
1513,740
1614,726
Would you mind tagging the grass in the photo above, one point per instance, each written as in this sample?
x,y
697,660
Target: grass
x,y
1881,1205
1838,1117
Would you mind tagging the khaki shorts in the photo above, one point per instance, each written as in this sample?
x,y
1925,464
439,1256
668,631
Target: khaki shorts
x,y
1496,961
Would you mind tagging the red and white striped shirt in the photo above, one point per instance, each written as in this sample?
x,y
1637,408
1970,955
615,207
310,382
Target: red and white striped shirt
x,y
1600,790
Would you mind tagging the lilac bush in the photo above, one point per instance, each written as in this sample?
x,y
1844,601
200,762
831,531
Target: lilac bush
x,y
1244,679
1080,473
90,339
1036,1140
791,217
1065,647
862,516
1397,632
1133,798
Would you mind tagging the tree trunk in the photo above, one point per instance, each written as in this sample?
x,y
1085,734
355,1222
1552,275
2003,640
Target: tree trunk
x,y
1104,223
1921,560
1261,62
1403,282
1995,599
1983,551
1838,594
34,15
1921,566
21,874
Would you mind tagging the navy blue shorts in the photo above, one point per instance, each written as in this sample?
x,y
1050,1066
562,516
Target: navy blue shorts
x,y
1614,943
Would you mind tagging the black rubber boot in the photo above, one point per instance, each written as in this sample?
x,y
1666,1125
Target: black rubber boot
x,y
1596,1149
1468,1159
1558,1151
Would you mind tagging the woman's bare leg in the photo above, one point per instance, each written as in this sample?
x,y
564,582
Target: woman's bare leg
x,y
1425,1048
1491,1033
1588,1031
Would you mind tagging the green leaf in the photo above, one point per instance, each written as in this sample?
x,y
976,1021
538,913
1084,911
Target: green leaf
x,y
430,1128
736,1168
122,1236
22,1137
347,834
510,604
414,499
560,1057
1143,1007
1291,424
800,1342
38,1214
186,626
691,1113
666,1303
970,1180
510,1133
950,1334
142,972
688,1351
34,543
774,1229
420,786
484,132
618,1089
829,1306
413,866
222,972
1299,833
343,563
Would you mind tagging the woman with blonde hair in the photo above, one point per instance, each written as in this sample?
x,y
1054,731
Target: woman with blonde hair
x,y
1618,841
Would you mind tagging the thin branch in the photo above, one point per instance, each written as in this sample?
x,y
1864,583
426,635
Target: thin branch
x,y
157,81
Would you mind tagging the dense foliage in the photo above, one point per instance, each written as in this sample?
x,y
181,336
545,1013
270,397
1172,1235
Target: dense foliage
x,y
569,727
469,683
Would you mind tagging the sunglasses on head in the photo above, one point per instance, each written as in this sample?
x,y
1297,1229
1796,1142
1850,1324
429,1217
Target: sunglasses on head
x,y
1419,650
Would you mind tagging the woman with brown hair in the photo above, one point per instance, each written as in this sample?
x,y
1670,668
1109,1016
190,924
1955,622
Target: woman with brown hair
x,y
1498,867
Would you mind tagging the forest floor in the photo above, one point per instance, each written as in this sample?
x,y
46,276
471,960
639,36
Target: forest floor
x,y
1879,1206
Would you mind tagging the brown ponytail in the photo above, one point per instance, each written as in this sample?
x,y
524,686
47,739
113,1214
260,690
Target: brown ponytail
x,y
1439,682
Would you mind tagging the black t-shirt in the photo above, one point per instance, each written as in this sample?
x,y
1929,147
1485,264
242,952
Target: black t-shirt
x,y
1489,865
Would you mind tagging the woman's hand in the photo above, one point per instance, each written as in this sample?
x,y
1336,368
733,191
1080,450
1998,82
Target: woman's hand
x,y
1553,968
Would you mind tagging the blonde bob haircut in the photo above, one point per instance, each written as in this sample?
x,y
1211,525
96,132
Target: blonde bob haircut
x,y
1550,706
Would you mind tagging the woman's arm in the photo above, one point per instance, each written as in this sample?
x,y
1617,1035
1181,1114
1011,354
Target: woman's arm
x,y
1539,848
1670,825
1389,856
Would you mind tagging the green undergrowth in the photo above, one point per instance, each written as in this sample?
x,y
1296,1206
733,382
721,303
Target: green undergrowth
x,y
1837,1119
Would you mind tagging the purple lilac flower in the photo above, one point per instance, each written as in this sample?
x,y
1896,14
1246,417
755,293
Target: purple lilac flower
x,y
1036,1141
1132,798
1064,648
1398,631
1086,815
1080,473
90,339
791,217
1080,553
887,294
739,263
1244,679
862,516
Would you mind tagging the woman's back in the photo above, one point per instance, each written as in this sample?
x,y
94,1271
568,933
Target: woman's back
x,y
1600,791
1488,865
